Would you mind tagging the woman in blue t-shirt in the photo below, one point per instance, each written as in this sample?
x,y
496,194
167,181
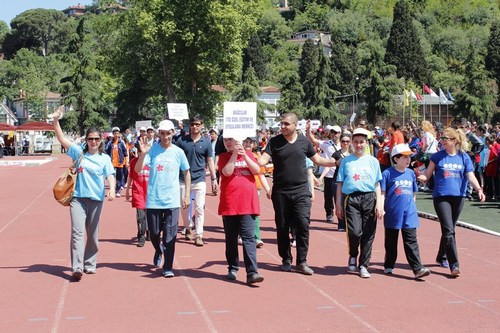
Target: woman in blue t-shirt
x,y
93,166
453,170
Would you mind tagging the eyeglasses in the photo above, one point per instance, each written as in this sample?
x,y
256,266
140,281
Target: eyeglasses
x,y
195,124
444,138
93,139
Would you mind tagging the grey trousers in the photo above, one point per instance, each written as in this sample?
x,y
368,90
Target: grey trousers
x,y
85,214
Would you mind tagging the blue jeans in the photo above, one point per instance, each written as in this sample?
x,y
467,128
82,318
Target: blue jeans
x,y
165,220
243,225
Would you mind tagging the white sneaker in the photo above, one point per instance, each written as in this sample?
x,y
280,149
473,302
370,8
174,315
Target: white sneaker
x,y
388,270
363,272
293,243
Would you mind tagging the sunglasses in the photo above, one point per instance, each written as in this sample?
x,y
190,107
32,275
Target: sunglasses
x,y
93,139
444,138
345,141
284,123
195,124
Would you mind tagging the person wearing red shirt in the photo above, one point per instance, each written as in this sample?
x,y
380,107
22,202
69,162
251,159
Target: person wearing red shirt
x,y
397,136
239,206
139,184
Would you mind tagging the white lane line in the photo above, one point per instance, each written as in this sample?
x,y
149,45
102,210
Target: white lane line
x,y
75,318
38,319
341,306
462,298
197,301
60,307
24,210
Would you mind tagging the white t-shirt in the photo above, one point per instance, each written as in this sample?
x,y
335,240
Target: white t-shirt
x,y
328,147
432,143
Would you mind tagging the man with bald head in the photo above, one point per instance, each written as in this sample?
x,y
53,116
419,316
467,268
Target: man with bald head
x,y
290,194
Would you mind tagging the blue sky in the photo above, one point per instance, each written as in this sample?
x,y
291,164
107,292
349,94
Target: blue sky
x,y
11,8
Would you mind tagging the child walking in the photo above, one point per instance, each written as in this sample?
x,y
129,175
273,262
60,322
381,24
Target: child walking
x,y
399,187
138,182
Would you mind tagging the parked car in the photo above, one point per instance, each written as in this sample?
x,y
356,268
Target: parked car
x,y
43,144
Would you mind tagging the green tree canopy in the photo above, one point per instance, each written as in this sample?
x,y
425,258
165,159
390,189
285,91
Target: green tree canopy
x,y
403,47
45,31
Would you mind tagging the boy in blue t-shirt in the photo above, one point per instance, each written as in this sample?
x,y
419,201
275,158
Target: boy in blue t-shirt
x,y
399,187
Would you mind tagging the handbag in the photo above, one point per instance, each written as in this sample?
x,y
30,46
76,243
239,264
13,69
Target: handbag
x,y
65,185
422,156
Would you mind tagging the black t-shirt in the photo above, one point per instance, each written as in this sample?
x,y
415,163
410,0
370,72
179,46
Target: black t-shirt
x,y
289,159
337,156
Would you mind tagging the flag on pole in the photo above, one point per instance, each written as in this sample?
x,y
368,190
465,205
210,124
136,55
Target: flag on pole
x,y
406,94
432,93
427,90
412,94
419,97
442,97
450,98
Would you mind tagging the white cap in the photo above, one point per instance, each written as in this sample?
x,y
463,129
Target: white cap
x,y
115,129
150,128
336,128
142,129
166,125
402,149
361,131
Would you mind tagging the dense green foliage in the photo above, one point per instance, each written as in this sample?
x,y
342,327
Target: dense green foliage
x,y
126,65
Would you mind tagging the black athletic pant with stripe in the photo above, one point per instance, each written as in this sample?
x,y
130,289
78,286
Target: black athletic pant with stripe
x,y
359,211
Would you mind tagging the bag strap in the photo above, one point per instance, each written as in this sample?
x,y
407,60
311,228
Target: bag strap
x,y
77,161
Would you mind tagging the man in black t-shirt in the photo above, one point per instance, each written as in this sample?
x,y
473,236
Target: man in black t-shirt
x,y
290,194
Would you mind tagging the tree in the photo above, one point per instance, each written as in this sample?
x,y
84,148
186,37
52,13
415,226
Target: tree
x,y
403,47
45,31
493,56
253,56
249,90
291,94
477,98
186,47
82,89
321,105
308,68
380,83
4,29
343,62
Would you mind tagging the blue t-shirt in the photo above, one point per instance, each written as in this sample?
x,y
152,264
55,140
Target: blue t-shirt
x,y
92,170
197,154
164,165
450,174
359,174
400,208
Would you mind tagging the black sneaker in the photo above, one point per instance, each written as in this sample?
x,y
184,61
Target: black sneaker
x,y
303,268
231,275
422,272
255,278
141,241
157,259
286,266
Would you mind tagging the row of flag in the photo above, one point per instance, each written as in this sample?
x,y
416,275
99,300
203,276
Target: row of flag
x,y
416,96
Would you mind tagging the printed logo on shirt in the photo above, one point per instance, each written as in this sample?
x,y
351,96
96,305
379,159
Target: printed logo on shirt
x,y
403,187
241,169
361,173
80,169
452,170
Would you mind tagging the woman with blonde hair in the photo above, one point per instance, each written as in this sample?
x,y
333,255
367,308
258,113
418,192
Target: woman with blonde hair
x,y
453,170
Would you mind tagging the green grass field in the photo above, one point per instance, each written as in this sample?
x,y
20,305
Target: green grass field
x,y
482,214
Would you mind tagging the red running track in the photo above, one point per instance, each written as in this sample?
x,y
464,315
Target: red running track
x,y
128,295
